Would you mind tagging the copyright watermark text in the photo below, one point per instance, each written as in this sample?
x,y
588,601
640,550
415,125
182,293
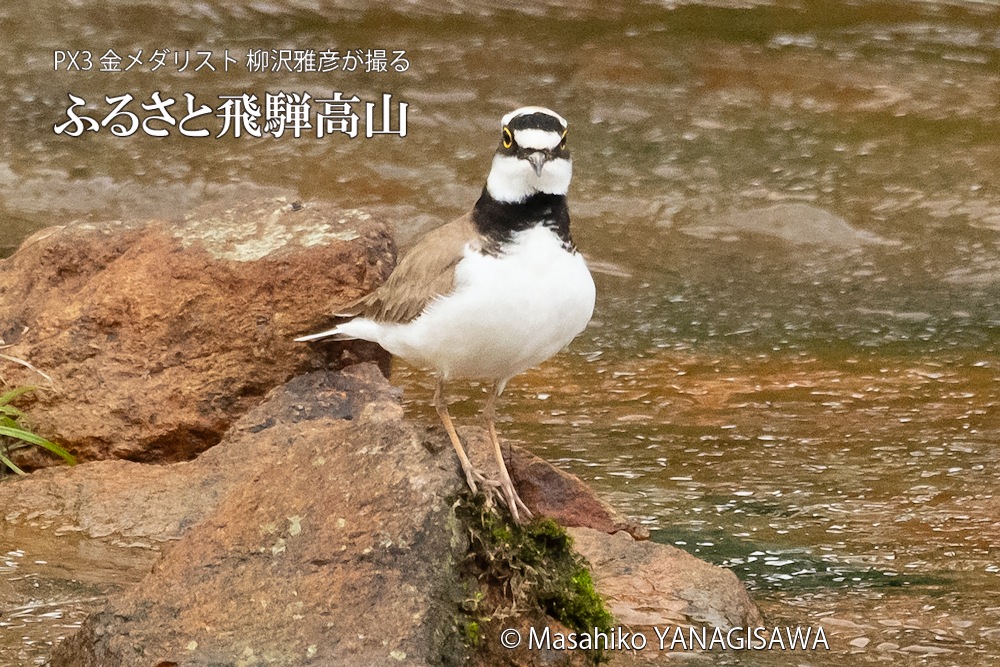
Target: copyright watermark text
x,y
670,638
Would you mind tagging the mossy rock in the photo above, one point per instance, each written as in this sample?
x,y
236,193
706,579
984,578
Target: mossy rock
x,y
521,577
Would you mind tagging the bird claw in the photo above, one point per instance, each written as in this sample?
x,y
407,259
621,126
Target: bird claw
x,y
474,478
484,480
496,490
528,516
515,504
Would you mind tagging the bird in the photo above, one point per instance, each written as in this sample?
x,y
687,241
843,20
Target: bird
x,y
493,293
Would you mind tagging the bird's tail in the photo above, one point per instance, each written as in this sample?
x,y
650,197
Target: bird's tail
x,y
334,333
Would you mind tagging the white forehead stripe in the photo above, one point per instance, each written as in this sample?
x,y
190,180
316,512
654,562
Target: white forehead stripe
x,y
524,111
538,140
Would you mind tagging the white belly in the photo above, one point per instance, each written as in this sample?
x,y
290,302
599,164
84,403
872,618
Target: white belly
x,y
507,313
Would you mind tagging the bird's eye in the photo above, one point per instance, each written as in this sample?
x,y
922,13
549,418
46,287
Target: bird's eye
x,y
508,138
562,142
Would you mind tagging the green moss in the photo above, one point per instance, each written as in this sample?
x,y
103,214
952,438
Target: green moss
x,y
472,634
533,565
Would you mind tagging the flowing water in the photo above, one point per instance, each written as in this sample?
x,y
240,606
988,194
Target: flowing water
x,y
792,216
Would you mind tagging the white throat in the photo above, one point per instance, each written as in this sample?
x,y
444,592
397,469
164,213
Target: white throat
x,y
513,180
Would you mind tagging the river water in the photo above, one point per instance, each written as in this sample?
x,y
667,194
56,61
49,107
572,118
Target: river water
x,y
791,212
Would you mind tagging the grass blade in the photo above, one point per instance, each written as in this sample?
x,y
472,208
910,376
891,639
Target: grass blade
x,y
28,436
10,411
14,393
10,464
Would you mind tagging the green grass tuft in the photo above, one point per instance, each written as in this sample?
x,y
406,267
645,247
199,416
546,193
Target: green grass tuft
x,y
14,435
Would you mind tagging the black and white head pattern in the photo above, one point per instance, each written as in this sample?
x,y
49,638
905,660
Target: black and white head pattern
x,y
532,157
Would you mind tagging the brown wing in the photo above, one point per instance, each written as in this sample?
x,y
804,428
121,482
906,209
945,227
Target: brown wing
x,y
427,271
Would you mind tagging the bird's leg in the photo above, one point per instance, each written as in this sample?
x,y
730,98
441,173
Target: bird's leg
x,y
441,405
514,502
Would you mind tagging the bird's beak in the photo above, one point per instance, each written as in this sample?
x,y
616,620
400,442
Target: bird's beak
x,y
537,161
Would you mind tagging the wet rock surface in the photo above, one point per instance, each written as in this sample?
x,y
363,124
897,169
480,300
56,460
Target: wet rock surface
x,y
333,542
129,504
321,530
148,339
549,491
650,584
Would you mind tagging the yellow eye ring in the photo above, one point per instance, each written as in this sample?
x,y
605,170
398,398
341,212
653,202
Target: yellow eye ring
x,y
508,138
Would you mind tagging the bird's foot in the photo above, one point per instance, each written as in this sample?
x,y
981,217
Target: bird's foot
x,y
487,483
474,478
518,510
496,490
496,493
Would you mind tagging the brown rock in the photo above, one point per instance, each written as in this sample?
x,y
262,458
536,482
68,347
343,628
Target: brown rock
x,y
555,493
158,336
650,584
321,530
492,651
133,504
7,593
142,505
549,491
334,543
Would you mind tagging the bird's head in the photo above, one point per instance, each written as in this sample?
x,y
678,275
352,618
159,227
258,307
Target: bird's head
x,y
532,156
